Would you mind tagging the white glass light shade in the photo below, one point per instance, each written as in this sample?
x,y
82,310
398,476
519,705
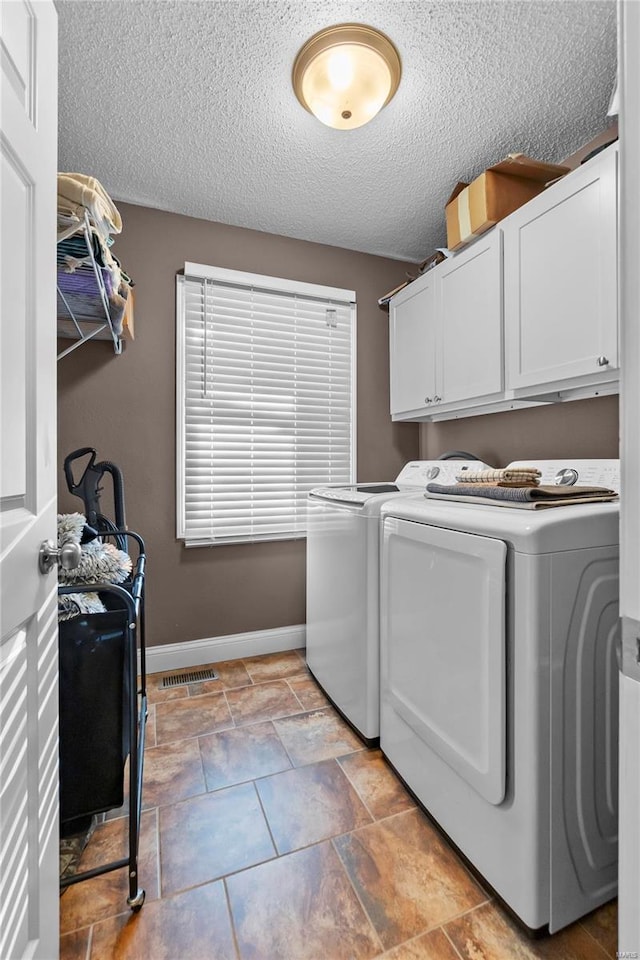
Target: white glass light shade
x,y
345,75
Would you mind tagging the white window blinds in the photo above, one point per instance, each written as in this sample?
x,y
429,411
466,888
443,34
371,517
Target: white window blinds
x,y
266,392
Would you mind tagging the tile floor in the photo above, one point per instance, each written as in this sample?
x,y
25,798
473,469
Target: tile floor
x,y
270,833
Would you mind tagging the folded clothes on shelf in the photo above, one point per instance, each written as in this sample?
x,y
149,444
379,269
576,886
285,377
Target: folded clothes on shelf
x,y
78,192
92,286
73,255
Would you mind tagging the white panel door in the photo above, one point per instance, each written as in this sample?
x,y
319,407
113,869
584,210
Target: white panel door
x,y
560,267
629,820
412,346
444,646
470,350
28,622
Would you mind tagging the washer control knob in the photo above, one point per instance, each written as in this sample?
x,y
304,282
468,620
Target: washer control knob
x,y
432,473
566,477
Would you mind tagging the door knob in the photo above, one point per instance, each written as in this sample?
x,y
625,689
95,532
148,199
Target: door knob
x,y
603,362
68,556
428,400
437,398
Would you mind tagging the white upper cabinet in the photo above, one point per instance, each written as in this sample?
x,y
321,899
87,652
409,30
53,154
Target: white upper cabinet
x,y
412,345
560,269
526,314
446,334
470,355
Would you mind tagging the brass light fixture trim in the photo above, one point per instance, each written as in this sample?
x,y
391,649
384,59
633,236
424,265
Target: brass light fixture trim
x,y
333,92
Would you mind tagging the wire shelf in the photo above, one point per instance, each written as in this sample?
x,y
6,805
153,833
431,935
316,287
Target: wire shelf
x,y
83,289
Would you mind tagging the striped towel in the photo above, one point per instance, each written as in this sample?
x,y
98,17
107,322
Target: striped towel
x,y
506,477
527,497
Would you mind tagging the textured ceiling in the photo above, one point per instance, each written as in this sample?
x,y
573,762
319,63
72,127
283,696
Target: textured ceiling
x,y
188,106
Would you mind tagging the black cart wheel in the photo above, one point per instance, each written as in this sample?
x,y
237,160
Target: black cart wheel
x,y
137,902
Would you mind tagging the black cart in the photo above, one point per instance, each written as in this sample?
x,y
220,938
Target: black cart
x,y
103,710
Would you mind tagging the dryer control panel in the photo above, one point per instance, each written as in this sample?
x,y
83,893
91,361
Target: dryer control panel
x,y
587,473
418,473
414,476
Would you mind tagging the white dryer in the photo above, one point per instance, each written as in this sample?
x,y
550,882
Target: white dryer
x,y
343,536
499,686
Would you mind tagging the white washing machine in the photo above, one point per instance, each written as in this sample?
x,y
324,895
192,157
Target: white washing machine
x,y
343,536
499,686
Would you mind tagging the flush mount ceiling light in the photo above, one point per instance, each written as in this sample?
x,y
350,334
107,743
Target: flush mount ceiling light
x,y
346,74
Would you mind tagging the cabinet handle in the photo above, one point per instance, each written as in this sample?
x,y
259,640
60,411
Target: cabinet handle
x,y
428,400
603,362
437,398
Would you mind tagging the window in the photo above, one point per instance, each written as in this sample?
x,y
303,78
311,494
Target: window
x,y
265,398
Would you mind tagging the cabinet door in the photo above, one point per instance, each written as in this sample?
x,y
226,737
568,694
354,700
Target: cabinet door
x,y
560,262
412,346
470,328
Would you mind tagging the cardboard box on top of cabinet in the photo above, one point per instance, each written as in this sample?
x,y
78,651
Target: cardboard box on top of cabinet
x,y
473,208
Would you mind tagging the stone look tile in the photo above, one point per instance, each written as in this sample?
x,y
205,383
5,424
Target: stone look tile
x,y
308,692
179,719
189,926
231,673
310,804
274,666
407,878
74,946
300,907
376,783
156,693
172,772
207,837
602,924
105,896
262,701
243,753
320,735
488,933
430,946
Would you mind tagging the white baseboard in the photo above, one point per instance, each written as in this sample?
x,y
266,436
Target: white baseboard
x,y
193,653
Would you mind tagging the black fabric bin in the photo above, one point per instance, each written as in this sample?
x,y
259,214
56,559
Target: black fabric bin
x,y
94,697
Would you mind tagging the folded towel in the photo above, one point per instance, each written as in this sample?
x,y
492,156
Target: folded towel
x,y
507,476
78,192
531,498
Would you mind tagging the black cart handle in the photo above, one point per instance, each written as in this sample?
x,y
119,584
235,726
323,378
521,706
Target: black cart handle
x,y
68,472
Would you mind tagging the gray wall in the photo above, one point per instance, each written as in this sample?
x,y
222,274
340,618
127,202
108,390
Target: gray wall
x,y
125,407
580,428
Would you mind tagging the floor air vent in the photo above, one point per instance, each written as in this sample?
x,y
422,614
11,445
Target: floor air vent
x,y
193,676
